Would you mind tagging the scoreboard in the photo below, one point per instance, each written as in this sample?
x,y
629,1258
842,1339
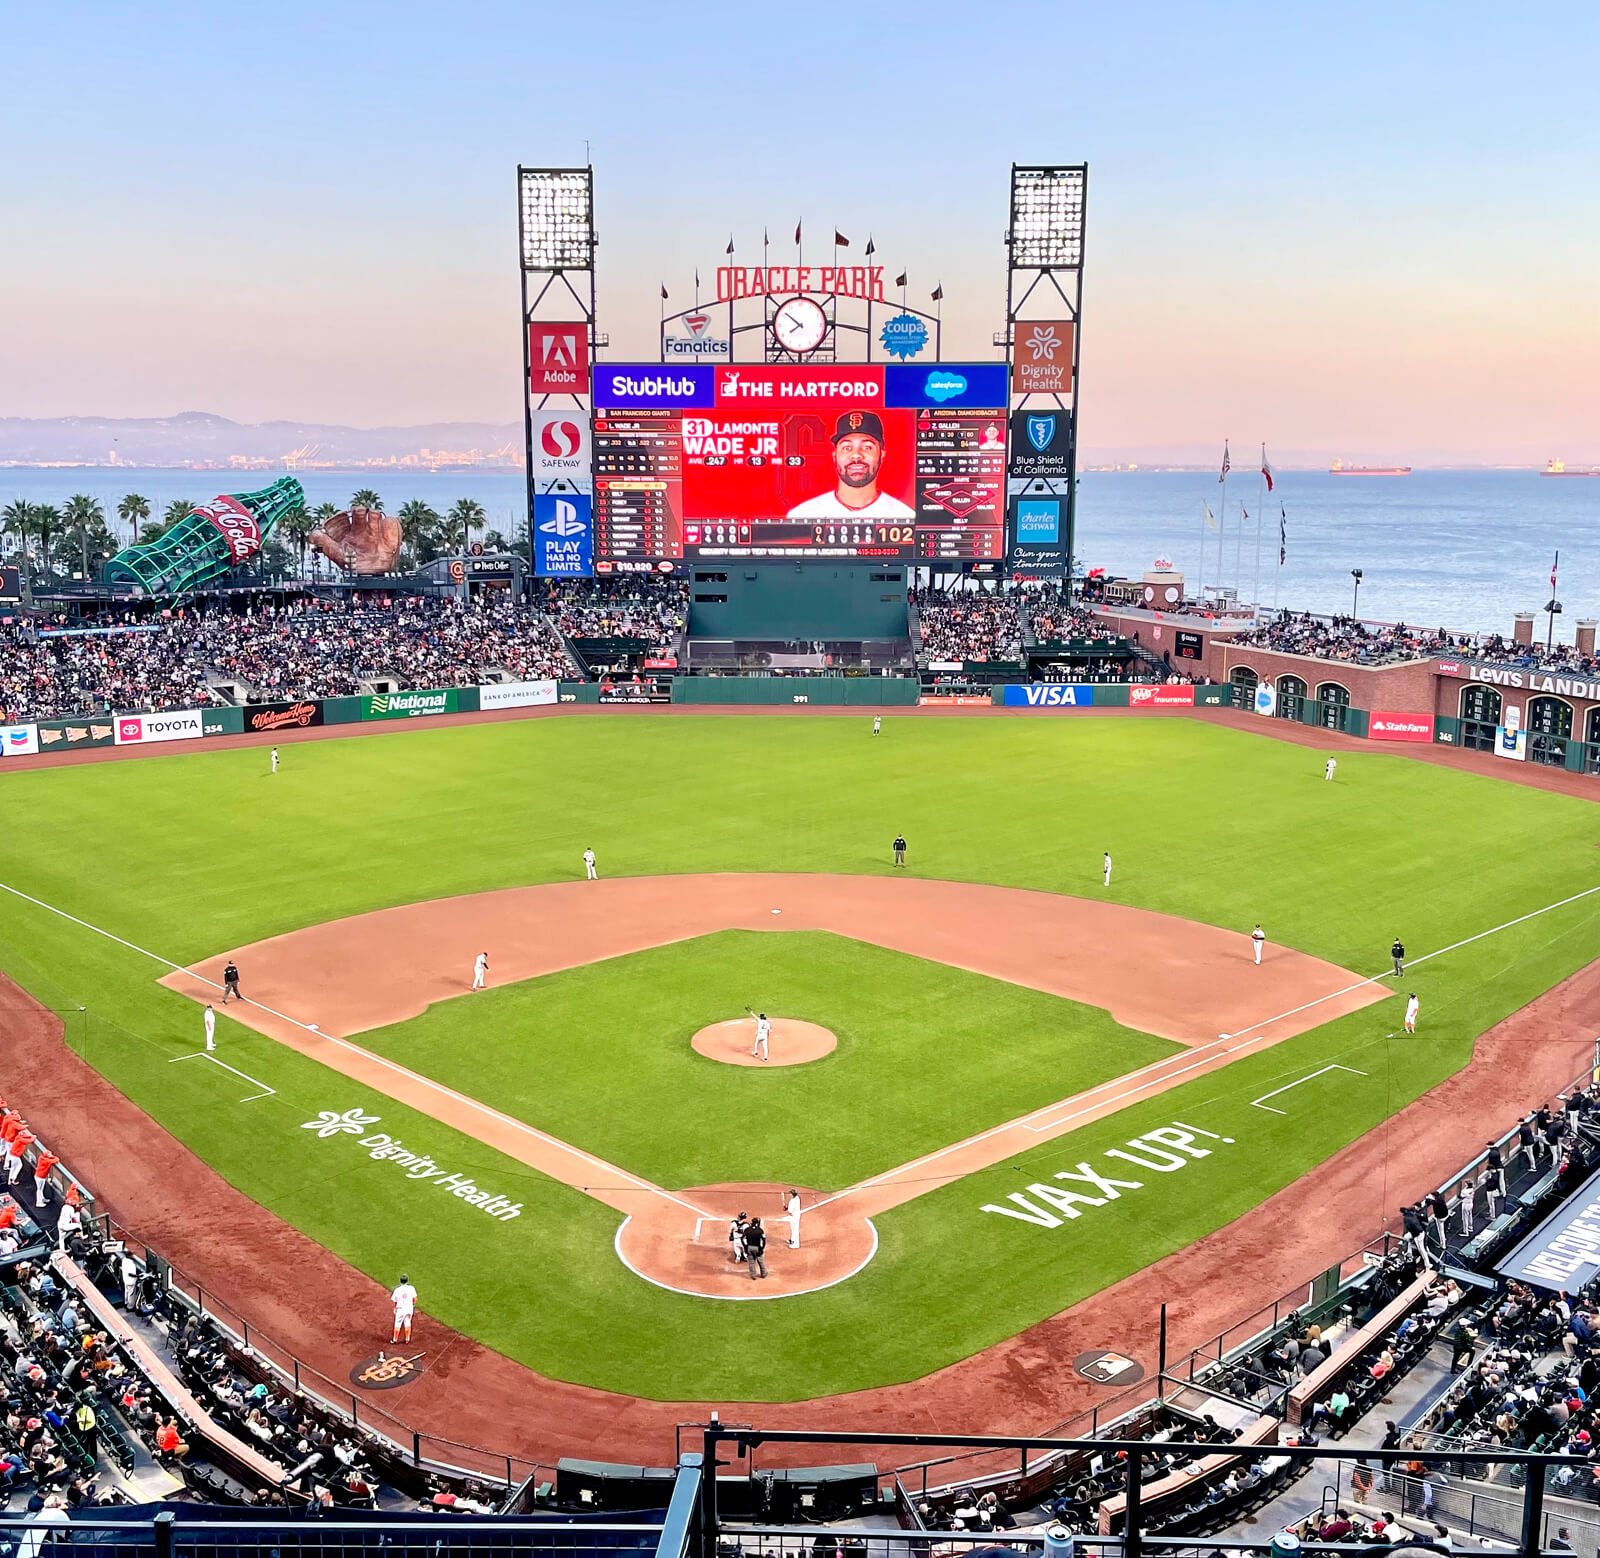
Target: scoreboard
x,y
877,462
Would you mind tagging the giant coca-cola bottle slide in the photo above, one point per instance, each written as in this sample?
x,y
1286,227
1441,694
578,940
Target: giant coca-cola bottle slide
x,y
207,542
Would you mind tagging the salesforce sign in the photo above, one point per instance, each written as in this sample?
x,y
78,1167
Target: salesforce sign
x,y
563,535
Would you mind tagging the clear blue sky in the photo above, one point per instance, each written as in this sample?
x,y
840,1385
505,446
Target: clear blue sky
x,y
1358,229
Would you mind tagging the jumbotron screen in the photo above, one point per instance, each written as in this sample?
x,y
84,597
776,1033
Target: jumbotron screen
x,y
745,461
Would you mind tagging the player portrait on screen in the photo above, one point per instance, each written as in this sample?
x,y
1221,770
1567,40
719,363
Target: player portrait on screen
x,y
858,453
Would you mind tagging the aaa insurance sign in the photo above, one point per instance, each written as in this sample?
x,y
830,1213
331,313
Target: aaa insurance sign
x,y
558,358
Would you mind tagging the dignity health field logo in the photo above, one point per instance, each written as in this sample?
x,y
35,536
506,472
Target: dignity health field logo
x,y
331,1125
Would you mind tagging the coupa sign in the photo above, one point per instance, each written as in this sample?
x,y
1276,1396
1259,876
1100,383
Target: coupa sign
x,y
563,535
1070,1192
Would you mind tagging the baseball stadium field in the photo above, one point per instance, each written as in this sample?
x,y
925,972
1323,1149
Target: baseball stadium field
x,y
1020,1085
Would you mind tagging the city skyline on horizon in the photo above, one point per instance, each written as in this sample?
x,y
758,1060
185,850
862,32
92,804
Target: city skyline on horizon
x,y
1339,249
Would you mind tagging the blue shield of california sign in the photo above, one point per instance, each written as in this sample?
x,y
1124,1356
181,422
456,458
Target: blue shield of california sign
x,y
1041,432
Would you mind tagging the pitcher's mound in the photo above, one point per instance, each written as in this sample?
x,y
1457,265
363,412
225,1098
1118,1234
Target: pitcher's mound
x,y
793,1042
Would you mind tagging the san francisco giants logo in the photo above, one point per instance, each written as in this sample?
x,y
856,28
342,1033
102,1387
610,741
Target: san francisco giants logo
x,y
855,421
386,1371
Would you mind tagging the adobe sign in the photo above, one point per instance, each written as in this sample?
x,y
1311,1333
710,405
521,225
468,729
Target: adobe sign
x,y
558,358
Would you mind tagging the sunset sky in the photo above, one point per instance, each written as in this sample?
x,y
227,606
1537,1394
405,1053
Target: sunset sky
x,y
1359,230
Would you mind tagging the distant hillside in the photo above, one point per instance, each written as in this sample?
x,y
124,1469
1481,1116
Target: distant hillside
x,y
194,436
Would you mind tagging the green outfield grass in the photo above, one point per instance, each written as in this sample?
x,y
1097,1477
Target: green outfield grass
x,y
600,1055
195,854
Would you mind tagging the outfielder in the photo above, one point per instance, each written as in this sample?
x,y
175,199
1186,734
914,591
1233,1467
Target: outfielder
x,y
877,724
1258,940
1107,862
589,872
211,1027
404,1299
763,1033
480,971
1328,768
274,760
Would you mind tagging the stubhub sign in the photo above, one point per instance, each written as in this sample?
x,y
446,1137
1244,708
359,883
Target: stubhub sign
x,y
652,386
563,535
1050,695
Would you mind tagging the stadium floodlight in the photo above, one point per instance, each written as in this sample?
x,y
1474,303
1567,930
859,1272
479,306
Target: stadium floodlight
x,y
1047,217
557,218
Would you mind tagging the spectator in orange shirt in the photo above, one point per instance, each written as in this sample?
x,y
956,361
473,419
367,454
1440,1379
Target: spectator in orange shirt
x,y
167,1440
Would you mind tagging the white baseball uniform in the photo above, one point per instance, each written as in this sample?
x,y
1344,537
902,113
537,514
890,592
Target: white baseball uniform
x,y
1258,939
1108,871
404,1299
480,970
274,760
589,872
877,724
1333,763
792,1206
1412,1005
211,1029
763,1033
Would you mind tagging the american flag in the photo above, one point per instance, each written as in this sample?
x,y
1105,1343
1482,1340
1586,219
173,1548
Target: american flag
x,y
1227,464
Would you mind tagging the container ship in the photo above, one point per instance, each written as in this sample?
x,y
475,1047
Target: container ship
x,y
1339,468
1559,468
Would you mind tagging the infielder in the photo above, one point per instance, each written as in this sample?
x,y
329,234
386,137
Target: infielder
x,y
1107,863
211,1027
1328,768
274,760
791,1205
480,971
589,872
1258,940
763,1033
1412,1003
404,1299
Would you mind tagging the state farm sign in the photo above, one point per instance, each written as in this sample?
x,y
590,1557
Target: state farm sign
x,y
1400,727
237,525
131,730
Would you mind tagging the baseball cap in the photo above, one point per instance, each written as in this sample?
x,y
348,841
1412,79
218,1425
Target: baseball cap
x,y
866,424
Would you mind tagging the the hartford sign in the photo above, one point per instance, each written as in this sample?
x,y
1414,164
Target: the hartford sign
x,y
331,1125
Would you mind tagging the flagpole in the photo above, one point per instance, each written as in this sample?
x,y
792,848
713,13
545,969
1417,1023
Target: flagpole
x,y
1261,503
1200,576
1222,526
1277,573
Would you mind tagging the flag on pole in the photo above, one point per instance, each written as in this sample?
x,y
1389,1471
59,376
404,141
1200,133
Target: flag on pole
x,y
697,278
729,249
839,240
900,280
1283,536
1266,469
937,295
797,234
663,292
1227,464
1244,514
1553,567
872,248
1211,519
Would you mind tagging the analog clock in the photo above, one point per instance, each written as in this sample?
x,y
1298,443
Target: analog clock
x,y
798,325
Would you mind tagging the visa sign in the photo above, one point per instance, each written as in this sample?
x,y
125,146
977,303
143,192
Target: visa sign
x,y
1052,695
563,535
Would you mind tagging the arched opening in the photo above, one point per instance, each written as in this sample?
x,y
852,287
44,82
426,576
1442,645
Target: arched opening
x,y
1291,697
1333,706
1591,736
1549,731
1243,680
1480,715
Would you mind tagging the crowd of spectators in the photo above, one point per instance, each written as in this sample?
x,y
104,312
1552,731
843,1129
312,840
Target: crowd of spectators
x,y
305,649
968,625
1052,616
647,607
1381,643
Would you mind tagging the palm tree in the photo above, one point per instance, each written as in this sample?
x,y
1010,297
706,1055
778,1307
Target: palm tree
x,y
296,526
151,530
46,522
466,514
452,531
366,498
133,511
179,508
82,517
16,519
419,525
